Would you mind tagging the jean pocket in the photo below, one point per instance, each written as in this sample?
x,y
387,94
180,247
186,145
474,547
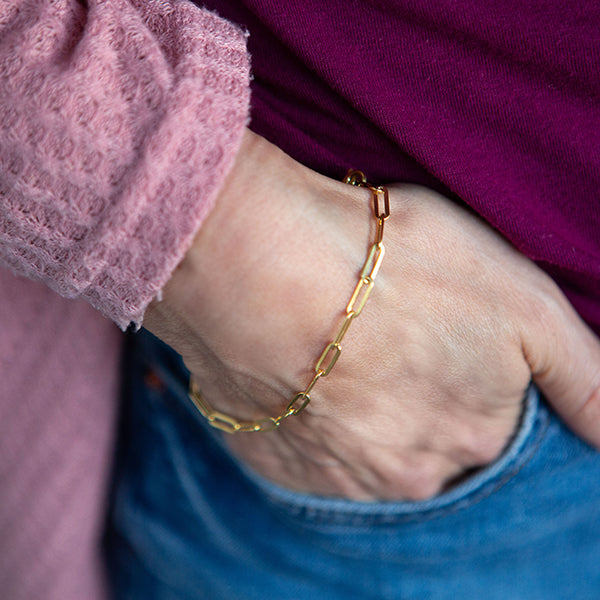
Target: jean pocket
x,y
205,446
190,521
321,510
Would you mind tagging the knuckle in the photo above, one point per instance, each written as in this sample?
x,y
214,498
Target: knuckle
x,y
487,443
420,480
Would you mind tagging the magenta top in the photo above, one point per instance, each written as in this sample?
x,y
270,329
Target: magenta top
x,y
493,103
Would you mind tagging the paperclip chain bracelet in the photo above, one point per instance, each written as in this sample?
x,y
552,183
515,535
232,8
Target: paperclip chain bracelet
x,y
327,360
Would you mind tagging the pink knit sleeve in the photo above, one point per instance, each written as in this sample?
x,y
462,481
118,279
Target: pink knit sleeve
x,y
118,121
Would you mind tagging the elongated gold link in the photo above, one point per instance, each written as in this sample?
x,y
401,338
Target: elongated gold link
x,y
311,385
378,194
379,233
374,260
201,404
361,294
224,422
331,354
333,350
264,424
297,405
345,326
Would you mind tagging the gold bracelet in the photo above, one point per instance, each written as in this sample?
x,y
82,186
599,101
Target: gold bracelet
x,y
327,360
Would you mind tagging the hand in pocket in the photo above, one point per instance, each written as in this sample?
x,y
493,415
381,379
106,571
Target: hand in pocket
x,y
430,381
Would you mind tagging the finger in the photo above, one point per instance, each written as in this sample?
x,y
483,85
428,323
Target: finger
x,y
564,357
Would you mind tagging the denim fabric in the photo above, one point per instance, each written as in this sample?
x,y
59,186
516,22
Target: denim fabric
x,y
189,522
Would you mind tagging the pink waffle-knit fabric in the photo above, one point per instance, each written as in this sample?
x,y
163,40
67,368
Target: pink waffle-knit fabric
x,y
119,119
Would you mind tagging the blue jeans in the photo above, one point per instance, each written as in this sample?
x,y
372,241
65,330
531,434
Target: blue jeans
x,y
189,521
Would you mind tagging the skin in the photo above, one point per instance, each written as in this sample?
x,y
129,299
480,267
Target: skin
x,y
430,382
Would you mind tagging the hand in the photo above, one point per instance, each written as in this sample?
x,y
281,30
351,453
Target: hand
x,y
431,378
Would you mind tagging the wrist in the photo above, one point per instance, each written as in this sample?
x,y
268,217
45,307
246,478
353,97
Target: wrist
x,y
262,286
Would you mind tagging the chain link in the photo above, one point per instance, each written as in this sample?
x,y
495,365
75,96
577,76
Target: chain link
x,y
333,350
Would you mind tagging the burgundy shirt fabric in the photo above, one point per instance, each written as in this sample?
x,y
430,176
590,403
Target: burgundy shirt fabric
x,y
493,103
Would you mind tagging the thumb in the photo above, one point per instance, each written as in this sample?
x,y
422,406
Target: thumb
x,y
564,358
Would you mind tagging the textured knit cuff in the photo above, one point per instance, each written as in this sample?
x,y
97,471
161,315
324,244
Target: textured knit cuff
x,y
121,120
